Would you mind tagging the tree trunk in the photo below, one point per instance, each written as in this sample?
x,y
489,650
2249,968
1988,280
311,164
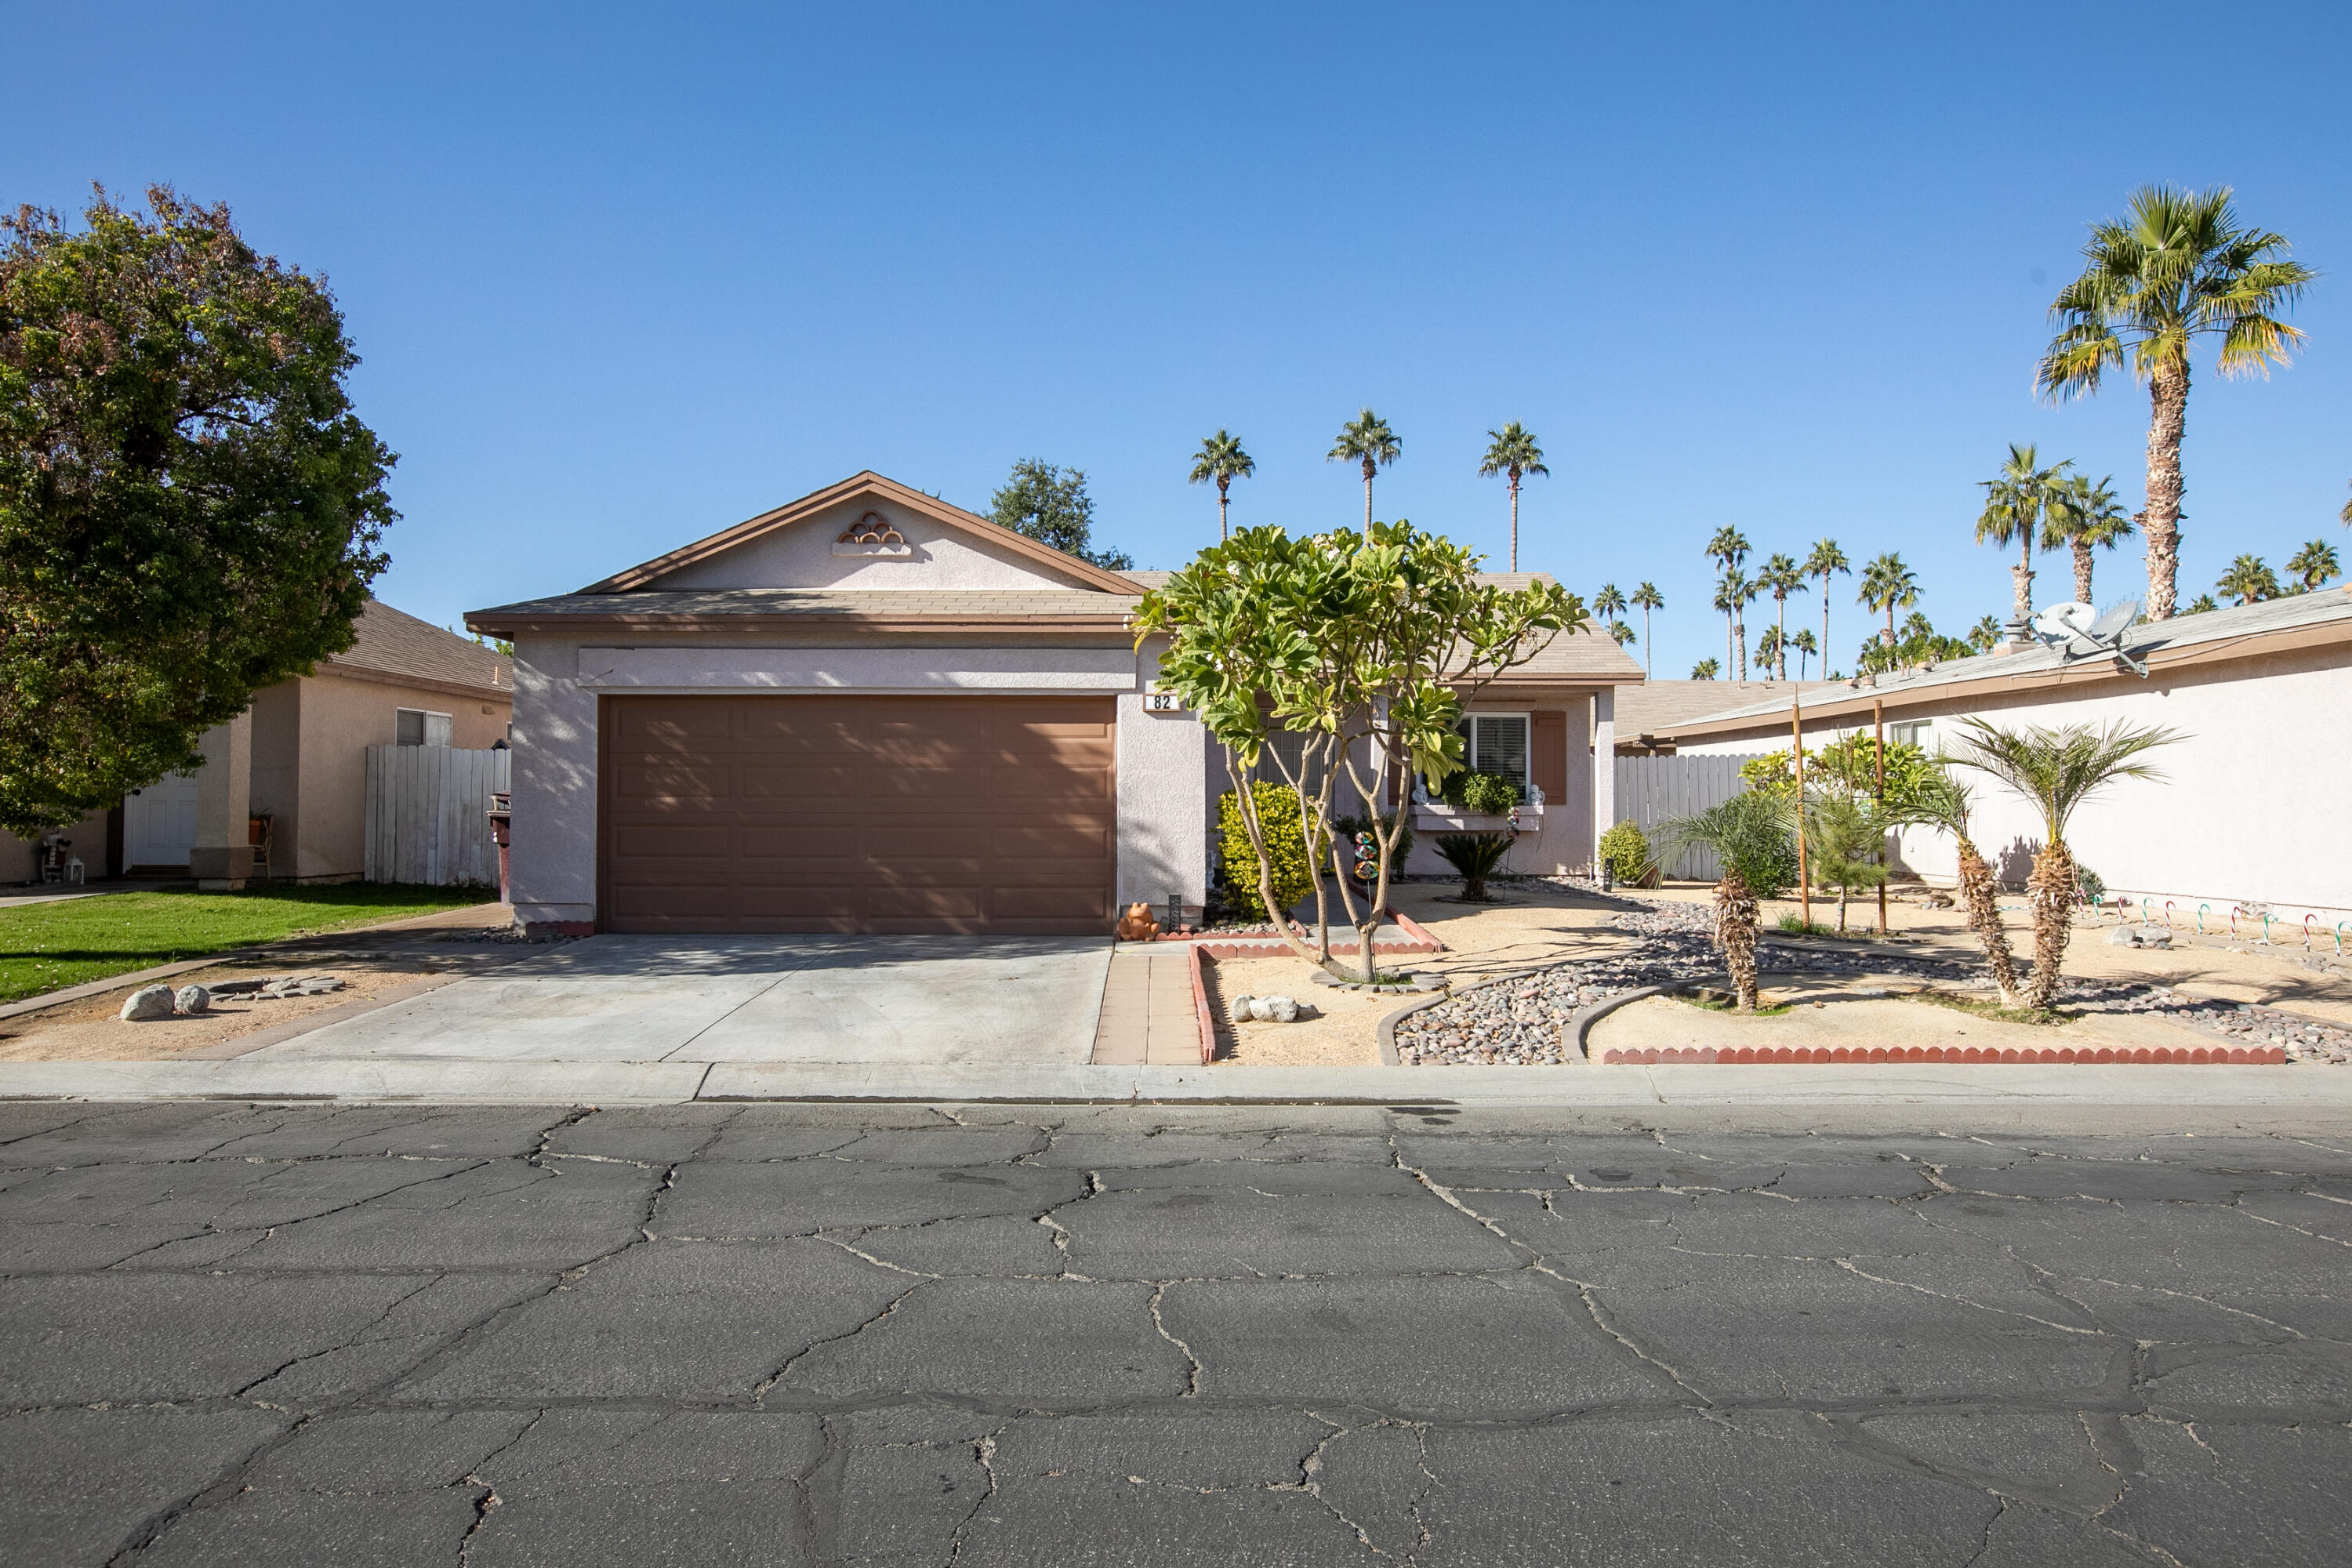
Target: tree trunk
x,y
2082,571
1735,932
1825,623
1740,639
1981,899
2167,393
1367,498
2022,577
1649,654
1844,893
1514,520
1781,642
1223,532
2051,896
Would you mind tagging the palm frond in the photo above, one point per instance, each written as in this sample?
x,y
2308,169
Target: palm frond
x,y
2059,767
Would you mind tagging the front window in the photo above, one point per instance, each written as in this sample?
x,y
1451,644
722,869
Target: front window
x,y
1910,732
418,726
1497,743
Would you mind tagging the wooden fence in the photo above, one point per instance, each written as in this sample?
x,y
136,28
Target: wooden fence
x,y
425,815
1652,789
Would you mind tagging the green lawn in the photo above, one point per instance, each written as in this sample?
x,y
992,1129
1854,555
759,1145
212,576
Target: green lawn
x,y
44,947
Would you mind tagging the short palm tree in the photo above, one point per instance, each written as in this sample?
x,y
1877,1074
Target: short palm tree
x,y
2248,581
1806,647
1622,633
1647,599
2316,565
1513,453
1826,561
1887,584
1984,635
2200,605
1781,577
1942,800
1367,439
2084,517
1707,669
1752,833
1221,461
2057,769
2177,268
2015,502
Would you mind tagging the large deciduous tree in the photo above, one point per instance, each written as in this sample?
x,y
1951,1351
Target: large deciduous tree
x,y
2180,267
1051,506
189,508
1367,648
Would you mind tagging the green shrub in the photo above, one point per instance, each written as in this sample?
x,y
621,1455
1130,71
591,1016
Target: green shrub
x,y
1347,827
1625,851
1482,794
1285,846
2090,884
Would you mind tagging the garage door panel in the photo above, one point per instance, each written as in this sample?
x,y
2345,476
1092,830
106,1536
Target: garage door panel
x,y
849,814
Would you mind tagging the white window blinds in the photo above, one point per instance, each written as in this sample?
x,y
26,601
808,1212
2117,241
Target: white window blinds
x,y
1498,744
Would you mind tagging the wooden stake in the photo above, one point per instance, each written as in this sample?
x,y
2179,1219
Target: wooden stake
x,y
1878,724
1797,740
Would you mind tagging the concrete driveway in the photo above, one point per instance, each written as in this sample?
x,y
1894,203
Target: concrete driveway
x,y
897,999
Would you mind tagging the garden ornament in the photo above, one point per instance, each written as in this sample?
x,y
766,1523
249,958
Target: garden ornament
x,y
1136,924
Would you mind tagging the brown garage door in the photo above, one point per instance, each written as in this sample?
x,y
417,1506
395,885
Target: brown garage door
x,y
857,814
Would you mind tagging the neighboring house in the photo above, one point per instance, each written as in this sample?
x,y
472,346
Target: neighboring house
x,y
298,757
1646,711
868,710
2253,806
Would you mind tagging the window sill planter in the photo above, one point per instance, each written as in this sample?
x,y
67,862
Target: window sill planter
x,y
1445,819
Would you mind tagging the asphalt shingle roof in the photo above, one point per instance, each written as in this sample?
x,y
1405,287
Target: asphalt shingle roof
x,y
393,643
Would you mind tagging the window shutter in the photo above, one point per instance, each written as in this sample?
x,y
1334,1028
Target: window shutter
x,y
1549,762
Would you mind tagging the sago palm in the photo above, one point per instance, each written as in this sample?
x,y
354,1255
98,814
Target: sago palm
x,y
1781,577
2016,500
2057,769
1942,800
1221,461
1367,439
1752,833
1647,599
1887,584
1513,455
2178,266
1827,561
2083,517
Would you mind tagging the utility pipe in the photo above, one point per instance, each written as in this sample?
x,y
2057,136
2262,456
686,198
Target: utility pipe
x,y
1797,743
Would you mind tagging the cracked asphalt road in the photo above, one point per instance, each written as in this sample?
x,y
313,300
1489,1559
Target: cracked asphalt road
x,y
984,1335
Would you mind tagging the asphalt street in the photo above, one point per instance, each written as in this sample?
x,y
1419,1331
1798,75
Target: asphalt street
x,y
1005,1335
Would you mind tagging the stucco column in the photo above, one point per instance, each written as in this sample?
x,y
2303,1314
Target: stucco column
x,y
1604,768
1163,836
222,858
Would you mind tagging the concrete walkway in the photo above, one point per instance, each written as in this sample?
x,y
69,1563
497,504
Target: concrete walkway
x,y
984,1003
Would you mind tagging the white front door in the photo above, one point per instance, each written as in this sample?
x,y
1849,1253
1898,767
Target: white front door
x,y
159,823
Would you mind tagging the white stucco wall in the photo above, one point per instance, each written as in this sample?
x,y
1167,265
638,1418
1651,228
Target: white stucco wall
x,y
801,557
2253,809
1559,841
552,863
1163,839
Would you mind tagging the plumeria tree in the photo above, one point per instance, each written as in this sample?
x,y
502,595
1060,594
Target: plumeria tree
x,y
1367,648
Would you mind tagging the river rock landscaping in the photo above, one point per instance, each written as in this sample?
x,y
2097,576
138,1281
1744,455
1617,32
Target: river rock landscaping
x,y
1521,1021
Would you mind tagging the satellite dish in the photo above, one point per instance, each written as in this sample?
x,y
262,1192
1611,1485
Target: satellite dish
x,y
2072,619
2110,628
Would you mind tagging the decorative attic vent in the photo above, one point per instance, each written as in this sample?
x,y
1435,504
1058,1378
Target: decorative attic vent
x,y
872,534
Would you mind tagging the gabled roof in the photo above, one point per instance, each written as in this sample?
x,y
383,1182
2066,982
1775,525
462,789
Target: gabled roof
x,y
1654,705
393,644
857,486
735,610
2211,636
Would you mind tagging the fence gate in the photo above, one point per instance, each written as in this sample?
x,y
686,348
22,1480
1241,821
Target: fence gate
x,y
1652,789
425,815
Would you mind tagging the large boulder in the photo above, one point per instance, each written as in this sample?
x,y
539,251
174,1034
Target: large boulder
x,y
146,1004
191,999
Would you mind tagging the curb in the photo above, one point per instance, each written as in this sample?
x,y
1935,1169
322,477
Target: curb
x,y
1201,1014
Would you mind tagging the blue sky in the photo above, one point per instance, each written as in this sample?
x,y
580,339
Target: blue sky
x,y
621,277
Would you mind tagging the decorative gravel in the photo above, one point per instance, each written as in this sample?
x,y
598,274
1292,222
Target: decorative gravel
x,y
1519,1022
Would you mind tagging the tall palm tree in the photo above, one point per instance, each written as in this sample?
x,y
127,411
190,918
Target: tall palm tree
x,y
1513,453
1781,577
1772,651
1647,599
2315,566
1728,549
1732,591
1367,439
1887,584
2084,517
2057,769
1802,641
1221,461
1942,800
2177,268
1826,560
1609,604
2015,503
2248,581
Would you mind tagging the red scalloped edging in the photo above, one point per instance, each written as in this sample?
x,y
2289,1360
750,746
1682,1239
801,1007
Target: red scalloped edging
x,y
1217,946
2260,1056
1200,1014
